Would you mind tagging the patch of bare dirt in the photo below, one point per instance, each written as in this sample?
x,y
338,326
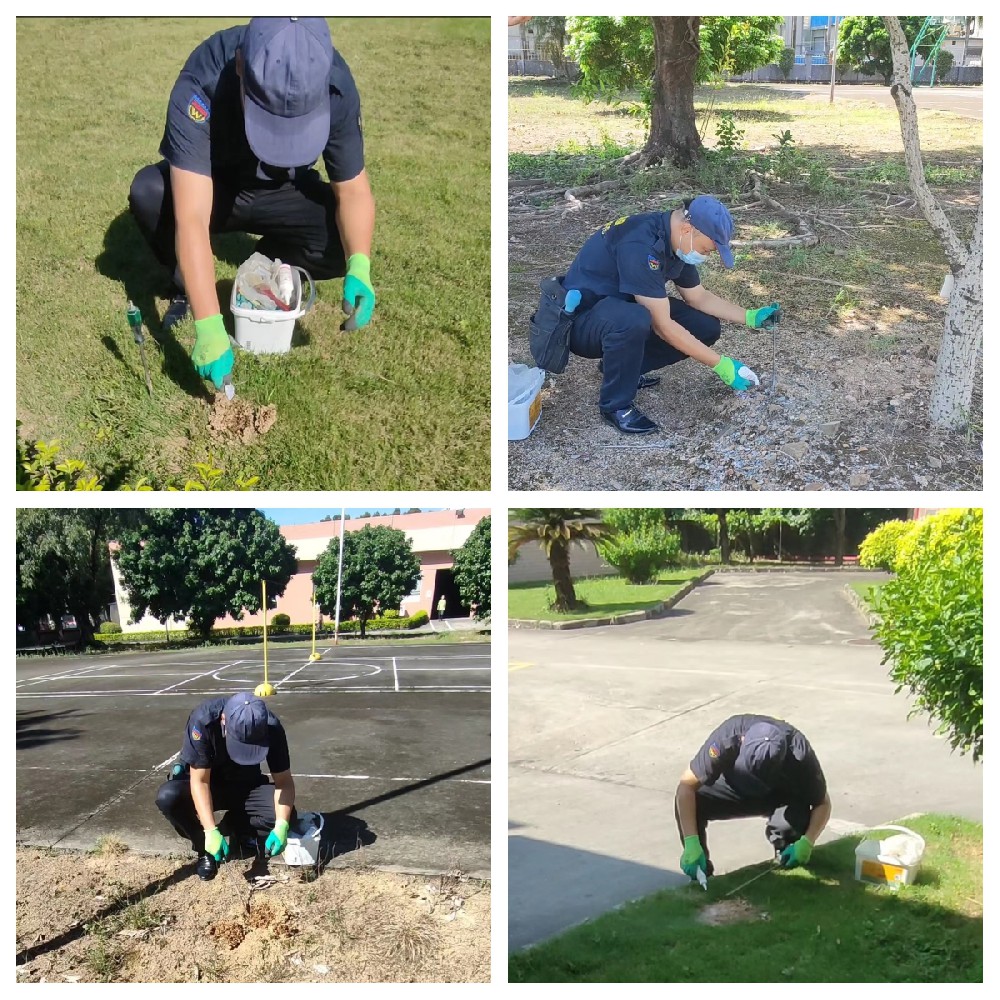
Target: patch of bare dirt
x,y
138,918
239,420
848,410
730,911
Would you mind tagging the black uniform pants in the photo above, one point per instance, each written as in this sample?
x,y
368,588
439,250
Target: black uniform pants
x,y
295,220
620,332
250,807
786,821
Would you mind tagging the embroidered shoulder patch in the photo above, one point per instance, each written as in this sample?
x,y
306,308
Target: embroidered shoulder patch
x,y
654,263
198,110
713,751
195,735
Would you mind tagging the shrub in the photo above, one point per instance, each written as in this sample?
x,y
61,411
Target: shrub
x,y
641,545
880,548
109,628
390,613
280,622
931,627
420,618
786,61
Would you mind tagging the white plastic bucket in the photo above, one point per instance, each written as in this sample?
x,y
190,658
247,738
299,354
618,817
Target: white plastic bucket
x,y
269,331
894,861
524,400
302,846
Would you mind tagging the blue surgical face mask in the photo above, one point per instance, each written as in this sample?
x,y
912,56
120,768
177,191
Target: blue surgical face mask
x,y
692,256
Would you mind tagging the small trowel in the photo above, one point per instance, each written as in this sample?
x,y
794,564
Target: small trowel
x,y
703,880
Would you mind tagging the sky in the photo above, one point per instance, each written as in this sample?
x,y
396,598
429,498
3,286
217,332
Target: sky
x,y
309,515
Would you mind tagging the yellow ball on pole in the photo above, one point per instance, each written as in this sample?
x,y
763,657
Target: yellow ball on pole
x,y
264,690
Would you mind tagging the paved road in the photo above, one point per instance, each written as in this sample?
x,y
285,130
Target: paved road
x,y
390,743
964,101
603,721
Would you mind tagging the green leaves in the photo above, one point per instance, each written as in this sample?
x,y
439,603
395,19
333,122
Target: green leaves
x,y
931,627
473,569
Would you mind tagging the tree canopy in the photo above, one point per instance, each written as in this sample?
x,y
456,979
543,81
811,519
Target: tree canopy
x,y
863,44
203,564
379,570
473,569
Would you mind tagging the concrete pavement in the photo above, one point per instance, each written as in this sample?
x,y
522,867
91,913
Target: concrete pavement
x,y
391,743
964,101
603,721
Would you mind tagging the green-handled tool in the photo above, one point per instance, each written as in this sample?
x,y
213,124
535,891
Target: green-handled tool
x,y
134,318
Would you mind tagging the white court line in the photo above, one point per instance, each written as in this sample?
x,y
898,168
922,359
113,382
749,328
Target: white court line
x,y
395,676
213,670
311,691
73,672
443,670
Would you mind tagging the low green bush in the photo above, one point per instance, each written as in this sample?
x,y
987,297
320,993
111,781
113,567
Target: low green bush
x,y
280,622
880,548
931,624
109,628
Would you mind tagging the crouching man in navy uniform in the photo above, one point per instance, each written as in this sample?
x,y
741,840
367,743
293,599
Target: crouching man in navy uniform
x,y
626,318
224,744
753,765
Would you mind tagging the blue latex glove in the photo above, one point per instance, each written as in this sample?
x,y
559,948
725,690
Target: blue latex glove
x,y
276,839
735,374
216,844
212,355
797,854
359,296
693,858
766,316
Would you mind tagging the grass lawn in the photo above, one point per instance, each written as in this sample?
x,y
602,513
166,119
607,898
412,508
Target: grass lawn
x,y
405,403
608,595
821,925
866,591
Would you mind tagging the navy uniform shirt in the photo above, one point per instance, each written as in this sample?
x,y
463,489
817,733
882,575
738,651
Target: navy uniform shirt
x,y
628,257
206,135
801,778
205,746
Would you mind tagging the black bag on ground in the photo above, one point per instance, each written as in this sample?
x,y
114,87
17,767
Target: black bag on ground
x,y
550,328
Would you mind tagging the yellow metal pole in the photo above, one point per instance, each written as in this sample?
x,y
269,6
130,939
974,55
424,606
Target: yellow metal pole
x,y
314,655
264,690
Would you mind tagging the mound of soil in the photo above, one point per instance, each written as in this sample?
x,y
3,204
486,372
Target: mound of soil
x,y
239,420
730,911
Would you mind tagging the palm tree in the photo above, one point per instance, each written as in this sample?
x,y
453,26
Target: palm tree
x,y
556,529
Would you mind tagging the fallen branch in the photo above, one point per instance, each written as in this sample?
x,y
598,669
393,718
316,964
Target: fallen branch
x,y
804,240
522,182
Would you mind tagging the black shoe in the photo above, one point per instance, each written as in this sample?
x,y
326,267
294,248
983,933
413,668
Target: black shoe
x,y
176,313
207,867
630,420
645,381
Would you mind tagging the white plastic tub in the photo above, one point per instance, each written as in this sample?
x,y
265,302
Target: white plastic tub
x,y
269,331
524,400
302,846
894,861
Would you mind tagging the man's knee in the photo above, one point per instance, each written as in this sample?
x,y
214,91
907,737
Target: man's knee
x,y
145,196
171,795
712,330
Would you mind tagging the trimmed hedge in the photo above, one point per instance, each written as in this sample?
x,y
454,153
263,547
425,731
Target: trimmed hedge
x,y
254,631
280,622
109,628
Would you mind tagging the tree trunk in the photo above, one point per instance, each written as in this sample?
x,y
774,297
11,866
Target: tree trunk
x,y
723,537
673,131
362,618
840,522
561,578
961,344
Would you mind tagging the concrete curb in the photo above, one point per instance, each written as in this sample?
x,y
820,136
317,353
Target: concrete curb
x,y
627,618
854,598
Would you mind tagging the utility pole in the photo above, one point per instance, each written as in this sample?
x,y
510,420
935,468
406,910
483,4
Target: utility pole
x,y
833,57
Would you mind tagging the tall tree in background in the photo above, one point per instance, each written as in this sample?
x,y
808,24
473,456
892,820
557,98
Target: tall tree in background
x,y
63,565
863,44
556,530
960,354
379,570
203,564
473,569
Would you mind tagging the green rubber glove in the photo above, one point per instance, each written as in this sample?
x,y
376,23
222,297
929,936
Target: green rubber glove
x,y
693,858
766,316
797,854
735,374
212,354
216,845
276,839
359,296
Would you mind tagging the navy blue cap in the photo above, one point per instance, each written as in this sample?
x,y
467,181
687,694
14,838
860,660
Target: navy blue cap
x,y
247,735
762,756
709,216
286,79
